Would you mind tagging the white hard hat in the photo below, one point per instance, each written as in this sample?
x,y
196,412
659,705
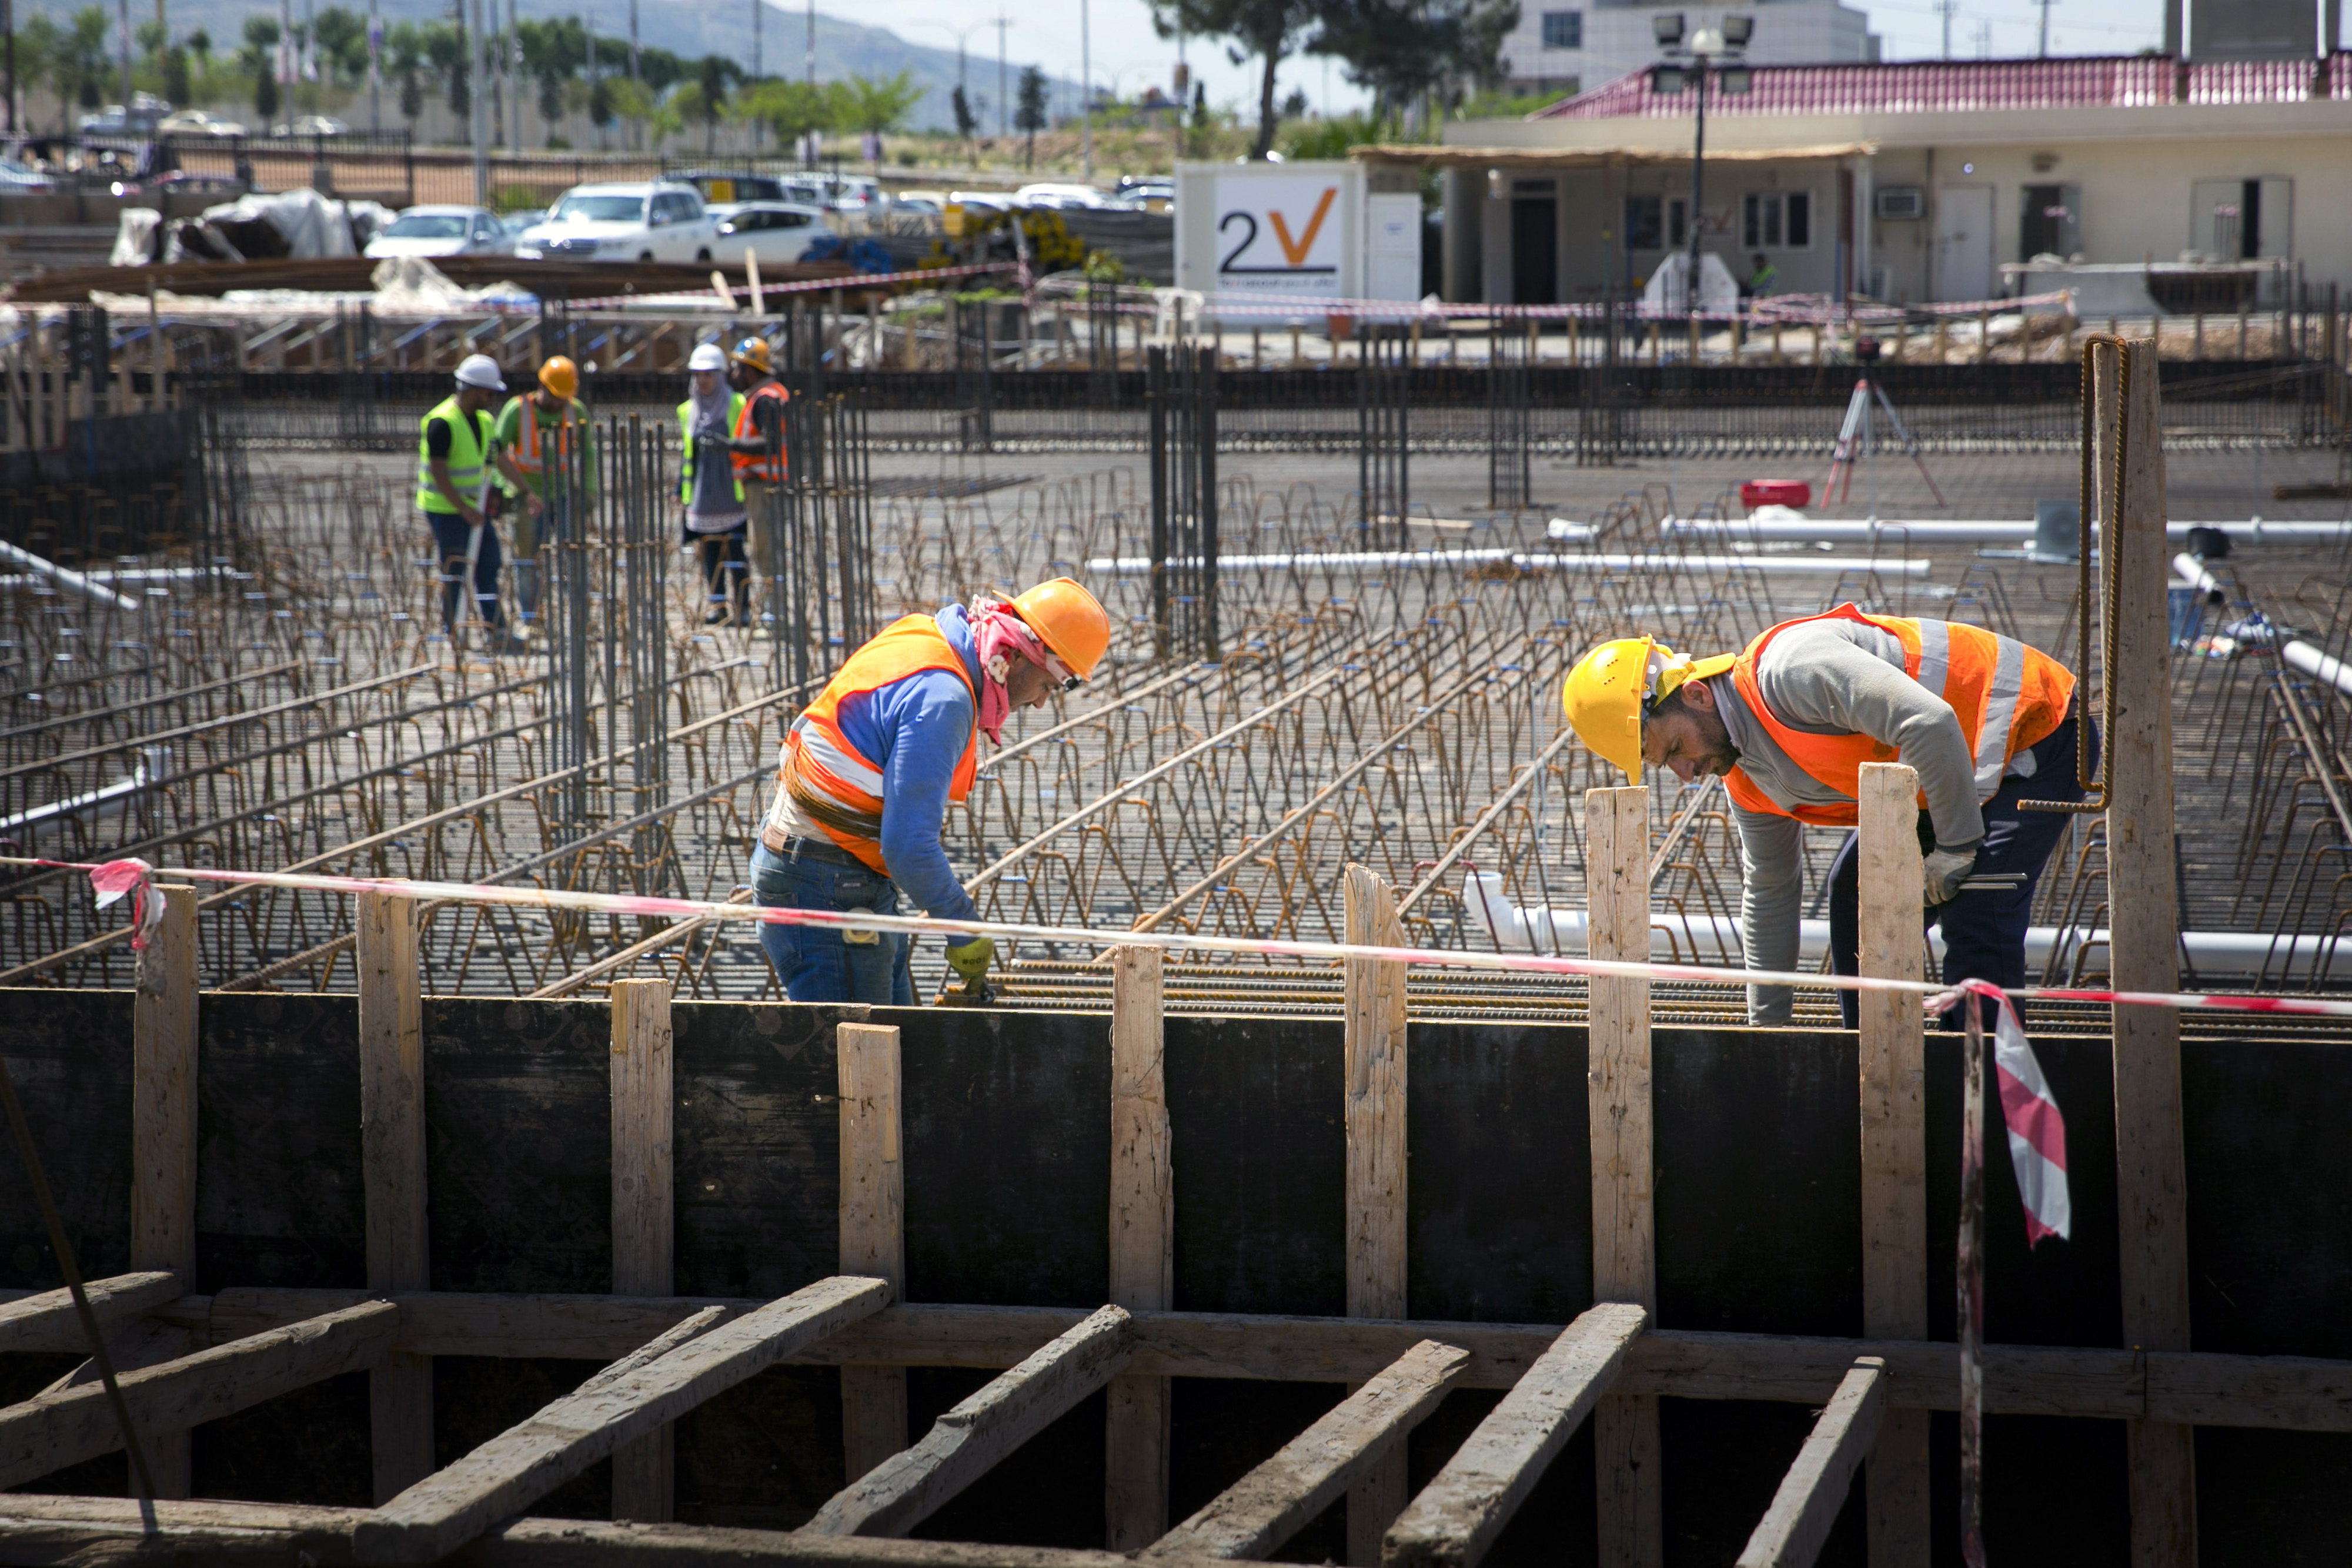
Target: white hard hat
x,y
707,356
480,371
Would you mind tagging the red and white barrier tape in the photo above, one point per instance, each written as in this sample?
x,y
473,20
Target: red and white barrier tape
x,y
852,283
123,875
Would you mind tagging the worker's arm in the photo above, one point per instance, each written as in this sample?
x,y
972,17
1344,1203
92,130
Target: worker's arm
x,y
515,483
1828,683
436,465
1771,903
930,717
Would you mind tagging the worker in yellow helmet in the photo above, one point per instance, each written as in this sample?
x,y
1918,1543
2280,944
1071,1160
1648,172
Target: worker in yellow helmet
x,y
870,767
539,433
1787,724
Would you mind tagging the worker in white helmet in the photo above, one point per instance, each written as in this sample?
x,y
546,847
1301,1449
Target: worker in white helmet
x,y
455,454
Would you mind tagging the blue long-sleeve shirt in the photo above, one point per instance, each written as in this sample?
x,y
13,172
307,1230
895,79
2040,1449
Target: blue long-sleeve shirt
x,y
916,729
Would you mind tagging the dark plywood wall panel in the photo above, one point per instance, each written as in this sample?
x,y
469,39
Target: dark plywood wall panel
x,y
68,1055
279,1198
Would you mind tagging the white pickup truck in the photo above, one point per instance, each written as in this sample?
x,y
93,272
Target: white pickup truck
x,y
638,221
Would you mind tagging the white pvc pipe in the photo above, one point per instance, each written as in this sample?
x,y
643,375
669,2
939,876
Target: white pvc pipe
x,y
64,577
1674,936
2310,659
1365,560
1817,530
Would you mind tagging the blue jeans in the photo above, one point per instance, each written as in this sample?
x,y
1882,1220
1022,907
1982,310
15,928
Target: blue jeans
x,y
1984,933
817,964
451,537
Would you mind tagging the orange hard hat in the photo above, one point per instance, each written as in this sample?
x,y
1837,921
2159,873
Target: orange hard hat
x,y
562,377
1069,621
753,351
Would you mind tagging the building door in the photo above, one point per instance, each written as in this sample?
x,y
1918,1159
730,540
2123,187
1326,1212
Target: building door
x,y
2242,220
1964,242
1535,249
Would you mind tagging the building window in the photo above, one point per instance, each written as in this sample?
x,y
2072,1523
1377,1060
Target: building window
x,y
2051,223
1799,221
1678,225
1645,223
1761,221
1563,29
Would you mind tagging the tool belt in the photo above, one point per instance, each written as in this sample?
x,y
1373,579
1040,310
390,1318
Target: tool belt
x,y
776,841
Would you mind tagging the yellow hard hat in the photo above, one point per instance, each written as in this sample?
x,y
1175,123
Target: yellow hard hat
x,y
1616,685
562,377
753,351
1069,621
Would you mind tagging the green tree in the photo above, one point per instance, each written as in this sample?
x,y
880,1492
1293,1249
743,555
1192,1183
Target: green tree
x,y
705,97
178,88
412,96
880,107
966,121
790,110
1029,110
39,42
551,98
84,58
1406,51
601,112
343,43
1269,30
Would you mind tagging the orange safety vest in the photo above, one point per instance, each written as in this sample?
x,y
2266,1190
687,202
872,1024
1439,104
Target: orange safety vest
x,y
2008,696
831,783
527,456
765,468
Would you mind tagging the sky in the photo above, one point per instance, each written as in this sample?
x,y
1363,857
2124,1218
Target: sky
x,y
1127,52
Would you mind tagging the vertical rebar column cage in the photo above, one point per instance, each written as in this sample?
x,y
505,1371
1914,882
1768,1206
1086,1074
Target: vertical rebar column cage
x,y
1383,466
818,551
1184,502
1509,421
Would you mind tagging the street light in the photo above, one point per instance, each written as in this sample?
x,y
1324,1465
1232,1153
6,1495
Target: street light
x,y
1716,50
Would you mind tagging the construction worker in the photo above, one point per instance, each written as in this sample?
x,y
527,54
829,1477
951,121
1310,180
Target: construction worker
x,y
1787,724
1762,277
711,490
752,373
455,458
547,429
870,767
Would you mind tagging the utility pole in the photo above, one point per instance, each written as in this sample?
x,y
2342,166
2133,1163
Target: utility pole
x,y
1002,128
375,68
2041,48
8,26
514,75
477,112
122,14
590,32
1087,90
1948,7
812,43
756,72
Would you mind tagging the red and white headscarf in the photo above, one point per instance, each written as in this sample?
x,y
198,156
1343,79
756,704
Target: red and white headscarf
x,y
1002,635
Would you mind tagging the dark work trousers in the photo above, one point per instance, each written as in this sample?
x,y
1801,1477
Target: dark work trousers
x,y
1984,933
726,583
452,538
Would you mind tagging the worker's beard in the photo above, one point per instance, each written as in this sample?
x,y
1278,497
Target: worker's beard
x,y
1720,757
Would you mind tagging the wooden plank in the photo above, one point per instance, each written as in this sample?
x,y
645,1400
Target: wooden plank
x,y
1894,1140
164,1125
2273,1393
505,1475
873,1230
1797,1525
908,1487
1458,1515
1142,1246
1627,1468
1252,1518
392,1154
644,1473
47,1322
2151,1183
1376,1065
148,1342
54,1430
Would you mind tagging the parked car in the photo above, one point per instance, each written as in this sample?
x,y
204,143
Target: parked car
x,y
146,112
312,125
929,203
515,222
442,231
18,179
197,122
1049,194
636,220
775,232
722,189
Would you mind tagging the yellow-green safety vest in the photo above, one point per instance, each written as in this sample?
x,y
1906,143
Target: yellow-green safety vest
x,y
685,438
467,458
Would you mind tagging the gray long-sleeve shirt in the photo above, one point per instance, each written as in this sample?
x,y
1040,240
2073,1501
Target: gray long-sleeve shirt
x,y
1832,677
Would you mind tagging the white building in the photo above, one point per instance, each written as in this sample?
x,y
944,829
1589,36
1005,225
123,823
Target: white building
x,y
1910,183
1565,45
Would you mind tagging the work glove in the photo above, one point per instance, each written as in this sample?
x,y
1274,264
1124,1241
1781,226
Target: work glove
x,y
971,960
1946,869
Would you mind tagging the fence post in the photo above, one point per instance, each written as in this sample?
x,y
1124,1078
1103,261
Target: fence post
x,y
644,1473
1624,1261
1374,1104
391,1151
164,1129
873,1236
1142,1246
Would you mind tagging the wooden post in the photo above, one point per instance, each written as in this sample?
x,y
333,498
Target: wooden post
x,y
1624,1259
1142,1247
2150,1176
873,1232
164,1129
1894,1143
644,1471
1375,1115
392,1153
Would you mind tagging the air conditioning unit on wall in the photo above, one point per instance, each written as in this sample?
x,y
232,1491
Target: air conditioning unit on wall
x,y
1901,201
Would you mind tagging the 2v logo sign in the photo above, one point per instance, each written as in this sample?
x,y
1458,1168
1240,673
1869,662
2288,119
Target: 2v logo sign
x,y
1295,251
1301,251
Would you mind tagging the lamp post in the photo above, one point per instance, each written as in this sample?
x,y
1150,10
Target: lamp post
x,y
1692,65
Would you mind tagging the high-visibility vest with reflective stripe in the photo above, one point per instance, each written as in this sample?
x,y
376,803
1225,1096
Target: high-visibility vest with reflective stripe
x,y
467,451
767,469
830,781
2006,697
528,455
686,435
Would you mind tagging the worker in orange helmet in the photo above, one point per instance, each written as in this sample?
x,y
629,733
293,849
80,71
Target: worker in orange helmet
x,y
870,767
761,460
